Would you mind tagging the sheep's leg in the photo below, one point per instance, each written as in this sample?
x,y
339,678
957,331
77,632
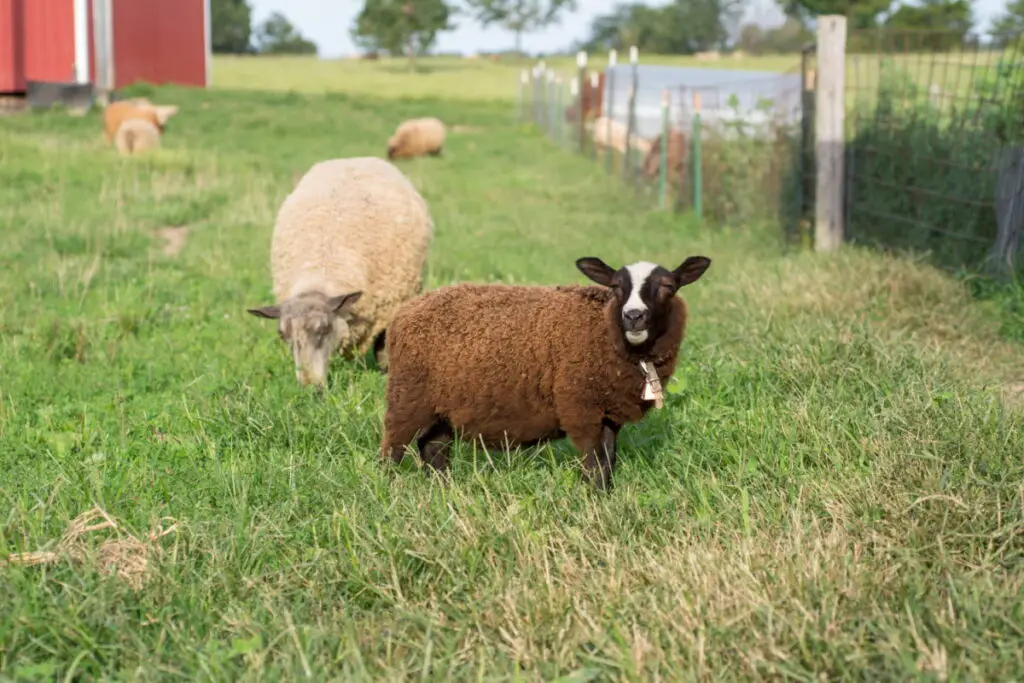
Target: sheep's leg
x,y
380,351
435,444
400,428
598,448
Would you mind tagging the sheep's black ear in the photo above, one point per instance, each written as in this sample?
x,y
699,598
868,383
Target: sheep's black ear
x,y
596,269
339,304
690,270
272,312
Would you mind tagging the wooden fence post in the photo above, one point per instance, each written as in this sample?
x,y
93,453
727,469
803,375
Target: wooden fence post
x,y
829,117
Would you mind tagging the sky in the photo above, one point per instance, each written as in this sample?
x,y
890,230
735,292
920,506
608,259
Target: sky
x,y
327,23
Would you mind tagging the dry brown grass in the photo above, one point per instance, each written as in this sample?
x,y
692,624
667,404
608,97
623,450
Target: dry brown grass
x,y
124,556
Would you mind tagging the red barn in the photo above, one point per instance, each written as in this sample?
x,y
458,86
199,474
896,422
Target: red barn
x,y
96,46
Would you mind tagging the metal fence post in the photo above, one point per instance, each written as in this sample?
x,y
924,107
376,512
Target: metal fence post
x,y
574,88
537,97
558,110
581,65
698,204
595,82
663,163
609,88
627,169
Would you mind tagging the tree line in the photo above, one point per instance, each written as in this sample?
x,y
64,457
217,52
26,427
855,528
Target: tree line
x,y
411,27
231,31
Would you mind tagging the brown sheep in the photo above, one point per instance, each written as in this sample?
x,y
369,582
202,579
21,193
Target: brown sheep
x,y
676,155
592,100
520,365
417,137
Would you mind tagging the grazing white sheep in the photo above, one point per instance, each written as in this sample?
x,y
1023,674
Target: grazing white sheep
x,y
349,247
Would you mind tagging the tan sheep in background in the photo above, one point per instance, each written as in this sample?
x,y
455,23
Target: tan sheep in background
x,y
616,136
417,137
136,135
349,247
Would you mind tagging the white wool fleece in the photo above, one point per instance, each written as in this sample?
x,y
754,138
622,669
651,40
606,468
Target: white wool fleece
x,y
353,224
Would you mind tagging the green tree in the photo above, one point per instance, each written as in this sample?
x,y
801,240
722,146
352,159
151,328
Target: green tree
x,y
681,27
519,16
277,35
230,26
1009,27
785,39
401,25
860,14
944,23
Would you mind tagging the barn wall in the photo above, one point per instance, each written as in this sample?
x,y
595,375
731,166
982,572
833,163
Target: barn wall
x,y
12,62
160,42
49,40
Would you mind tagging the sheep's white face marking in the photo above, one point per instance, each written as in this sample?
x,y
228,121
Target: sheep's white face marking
x,y
636,311
637,338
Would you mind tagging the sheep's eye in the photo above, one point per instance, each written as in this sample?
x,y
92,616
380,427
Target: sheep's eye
x,y
666,288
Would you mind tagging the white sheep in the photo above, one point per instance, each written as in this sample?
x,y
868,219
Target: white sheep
x,y
349,247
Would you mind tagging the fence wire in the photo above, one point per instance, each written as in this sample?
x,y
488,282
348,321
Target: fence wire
x,y
935,145
733,148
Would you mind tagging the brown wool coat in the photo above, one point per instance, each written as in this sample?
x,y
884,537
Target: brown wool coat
x,y
518,364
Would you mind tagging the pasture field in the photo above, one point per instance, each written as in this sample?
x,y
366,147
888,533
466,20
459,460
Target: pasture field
x,y
480,79
833,488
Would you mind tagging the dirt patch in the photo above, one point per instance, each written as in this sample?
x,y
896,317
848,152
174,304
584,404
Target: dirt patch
x,y
123,556
174,237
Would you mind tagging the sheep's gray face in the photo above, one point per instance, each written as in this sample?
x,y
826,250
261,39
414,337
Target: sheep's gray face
x,y
643,292
313,325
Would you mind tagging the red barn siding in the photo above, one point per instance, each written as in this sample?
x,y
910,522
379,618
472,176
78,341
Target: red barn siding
x,y
12,62
160,42
49,40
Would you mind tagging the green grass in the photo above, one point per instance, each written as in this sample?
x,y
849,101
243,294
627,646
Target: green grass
x,y
832,490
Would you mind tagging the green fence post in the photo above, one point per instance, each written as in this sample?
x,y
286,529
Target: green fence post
x,y
663,164
695,139
594,84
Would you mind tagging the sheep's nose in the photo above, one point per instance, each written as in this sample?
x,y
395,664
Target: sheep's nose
x,y
634,316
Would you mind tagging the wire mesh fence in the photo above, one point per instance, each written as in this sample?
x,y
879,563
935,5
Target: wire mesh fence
x,y
722,143
935,145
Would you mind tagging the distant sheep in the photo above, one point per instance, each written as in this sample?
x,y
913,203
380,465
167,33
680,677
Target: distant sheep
x,y
349,247
675,155
136,135
417,137
520,365
614,136
118,112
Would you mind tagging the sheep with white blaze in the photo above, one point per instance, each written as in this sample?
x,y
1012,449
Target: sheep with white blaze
x,y
520,365
349,248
